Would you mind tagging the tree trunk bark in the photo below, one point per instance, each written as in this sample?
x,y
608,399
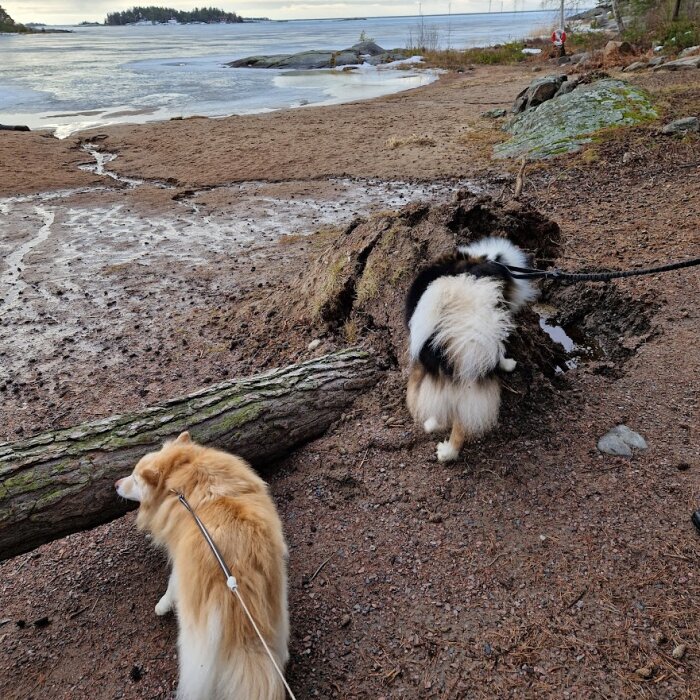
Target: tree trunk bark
x,y
618,16
63,481
676,10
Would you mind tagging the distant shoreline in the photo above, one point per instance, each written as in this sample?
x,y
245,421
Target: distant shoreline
x,y
253,20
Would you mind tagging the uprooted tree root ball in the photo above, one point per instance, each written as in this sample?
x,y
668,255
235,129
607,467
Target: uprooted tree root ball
x,y
361,279
355,289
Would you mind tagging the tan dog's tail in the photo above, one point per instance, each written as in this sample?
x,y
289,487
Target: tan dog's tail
x,y
251,675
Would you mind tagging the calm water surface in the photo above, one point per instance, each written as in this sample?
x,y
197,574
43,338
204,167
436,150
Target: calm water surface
x,y
104,75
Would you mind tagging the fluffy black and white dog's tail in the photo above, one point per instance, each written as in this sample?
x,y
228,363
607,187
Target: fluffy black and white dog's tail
x,y
459,327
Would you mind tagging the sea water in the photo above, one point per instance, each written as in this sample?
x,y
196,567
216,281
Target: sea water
x,y
96,76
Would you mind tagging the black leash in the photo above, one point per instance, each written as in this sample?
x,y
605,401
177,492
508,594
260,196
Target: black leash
x,y
522,273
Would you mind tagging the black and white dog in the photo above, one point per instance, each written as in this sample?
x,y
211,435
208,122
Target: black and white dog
x,y
459,312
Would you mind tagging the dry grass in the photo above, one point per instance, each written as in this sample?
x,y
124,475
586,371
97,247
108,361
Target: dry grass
x,y
480,139
351,331
413,140
454,59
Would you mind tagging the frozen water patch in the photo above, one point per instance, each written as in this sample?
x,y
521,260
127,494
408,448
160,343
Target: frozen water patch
x,y
15,264
84,266
98,167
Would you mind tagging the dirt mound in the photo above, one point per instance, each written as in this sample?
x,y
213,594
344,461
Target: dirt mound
x,y
360,281
354,292
356,288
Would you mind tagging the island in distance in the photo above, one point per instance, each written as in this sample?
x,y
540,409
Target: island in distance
x,y
168,15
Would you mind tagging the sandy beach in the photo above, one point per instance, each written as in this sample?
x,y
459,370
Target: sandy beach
x,y
533,567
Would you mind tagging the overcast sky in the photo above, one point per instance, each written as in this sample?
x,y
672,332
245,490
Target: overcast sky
x,y
73,11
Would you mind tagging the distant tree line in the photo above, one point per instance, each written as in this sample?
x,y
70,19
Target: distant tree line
x,y
210,15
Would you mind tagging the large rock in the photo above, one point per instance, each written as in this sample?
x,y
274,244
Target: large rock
x,y
538,91
687,63
690,51
566,87
367,48
633,67
566,123
613,49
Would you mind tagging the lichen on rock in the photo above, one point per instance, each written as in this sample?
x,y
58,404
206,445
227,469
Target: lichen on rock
x,y
564,124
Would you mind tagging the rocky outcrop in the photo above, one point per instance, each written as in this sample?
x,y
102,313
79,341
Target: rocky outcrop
x,y
599,18
564,124
364,52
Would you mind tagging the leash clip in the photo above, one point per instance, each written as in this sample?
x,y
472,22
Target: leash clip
x,y
232,583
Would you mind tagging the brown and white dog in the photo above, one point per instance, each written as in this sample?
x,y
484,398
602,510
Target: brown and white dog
x,y
220,656
459,312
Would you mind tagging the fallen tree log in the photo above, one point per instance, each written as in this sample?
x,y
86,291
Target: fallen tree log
x,y
63,481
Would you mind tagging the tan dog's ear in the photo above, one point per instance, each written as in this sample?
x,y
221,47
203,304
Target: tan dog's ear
x,y
184,437
150,476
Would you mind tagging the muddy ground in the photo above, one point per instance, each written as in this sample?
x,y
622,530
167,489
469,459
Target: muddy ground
x,y
533,567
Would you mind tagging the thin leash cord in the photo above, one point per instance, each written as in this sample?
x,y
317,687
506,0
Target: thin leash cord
x,y
532,273
233,587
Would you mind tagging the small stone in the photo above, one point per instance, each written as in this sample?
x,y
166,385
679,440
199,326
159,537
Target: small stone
x,y
494,113
645,672
313,344
613,445
679,651
631,438
345,620
620,440
659,638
